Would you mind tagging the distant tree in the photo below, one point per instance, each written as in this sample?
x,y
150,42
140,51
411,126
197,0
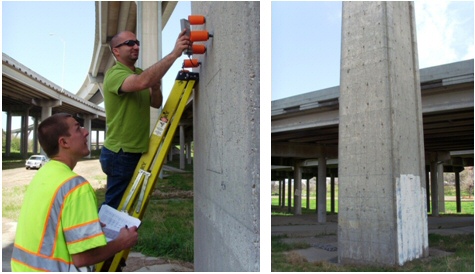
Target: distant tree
x,y
466,180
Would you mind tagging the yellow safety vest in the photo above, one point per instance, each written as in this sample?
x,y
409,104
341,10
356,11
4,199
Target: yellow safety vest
x,y
58,218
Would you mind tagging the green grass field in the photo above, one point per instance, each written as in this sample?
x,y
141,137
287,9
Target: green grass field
x,y
450,207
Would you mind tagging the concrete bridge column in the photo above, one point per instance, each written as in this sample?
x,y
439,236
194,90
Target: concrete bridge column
x,y
457,189
87,125
188,153
322,190
149,33
8,137
434,189
97,139
297,188
440,185
280,193
427,170
332,192
24,134
46,109
283,193
289,195
437,180
226,168
308,192
382,215
35,135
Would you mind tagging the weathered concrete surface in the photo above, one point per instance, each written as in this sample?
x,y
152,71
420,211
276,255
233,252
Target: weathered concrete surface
x,y
226,136
382,212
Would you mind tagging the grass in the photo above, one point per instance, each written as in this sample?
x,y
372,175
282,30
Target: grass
x,y
12,199
167,226
285,259
450,207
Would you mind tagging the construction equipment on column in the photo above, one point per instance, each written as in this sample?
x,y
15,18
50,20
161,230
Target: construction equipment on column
x,y
137,195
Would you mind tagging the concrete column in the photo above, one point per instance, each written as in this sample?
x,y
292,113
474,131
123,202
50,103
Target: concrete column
x,y
35,135
97,139
297,189
289,195
87,125
440,186
308,193
46,109
322,191
283,193
149,33
188,153
182,147
280,193
226,136
24,134
332,191
8,141
434,189
382,215
428,189
457,191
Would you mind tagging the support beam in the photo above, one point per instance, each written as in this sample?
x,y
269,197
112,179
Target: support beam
x,y
434,189
457,192
297,189
382,215
289,199
322,190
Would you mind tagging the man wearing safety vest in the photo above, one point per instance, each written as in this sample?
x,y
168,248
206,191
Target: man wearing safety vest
x,y
58,228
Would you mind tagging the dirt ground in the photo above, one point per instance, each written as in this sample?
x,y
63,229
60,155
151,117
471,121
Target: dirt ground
x,y
89,169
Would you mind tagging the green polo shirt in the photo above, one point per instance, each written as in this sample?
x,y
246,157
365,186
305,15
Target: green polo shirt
x,y
127,113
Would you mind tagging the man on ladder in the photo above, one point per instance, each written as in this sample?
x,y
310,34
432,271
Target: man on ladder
x,y
128,93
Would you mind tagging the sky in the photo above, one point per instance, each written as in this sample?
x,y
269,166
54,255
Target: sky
x,y
306,39
39,40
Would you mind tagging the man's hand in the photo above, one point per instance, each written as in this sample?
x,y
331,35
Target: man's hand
x,y
128,237
182,43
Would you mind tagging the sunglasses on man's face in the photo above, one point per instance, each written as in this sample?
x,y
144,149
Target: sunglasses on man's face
x,y
129,43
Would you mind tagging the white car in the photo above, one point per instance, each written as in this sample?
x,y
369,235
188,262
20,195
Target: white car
x,y
36,161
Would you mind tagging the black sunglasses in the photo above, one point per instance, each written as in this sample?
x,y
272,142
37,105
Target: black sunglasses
x,y
129,43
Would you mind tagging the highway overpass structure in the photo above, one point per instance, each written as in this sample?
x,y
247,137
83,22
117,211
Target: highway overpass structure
x,y
25,93
305,128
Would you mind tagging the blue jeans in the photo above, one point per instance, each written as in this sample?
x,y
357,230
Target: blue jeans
x,y
119,168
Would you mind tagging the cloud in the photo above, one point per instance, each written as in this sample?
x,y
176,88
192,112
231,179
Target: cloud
x,y
442,34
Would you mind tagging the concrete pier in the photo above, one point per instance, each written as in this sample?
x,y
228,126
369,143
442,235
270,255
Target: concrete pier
x,y
382,212
226,122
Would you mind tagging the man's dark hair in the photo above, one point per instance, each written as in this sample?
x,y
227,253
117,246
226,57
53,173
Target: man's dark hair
x,y
114,42
50,130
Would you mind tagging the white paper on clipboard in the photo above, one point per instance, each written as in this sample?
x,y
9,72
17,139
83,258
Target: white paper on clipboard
x,y
114,221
